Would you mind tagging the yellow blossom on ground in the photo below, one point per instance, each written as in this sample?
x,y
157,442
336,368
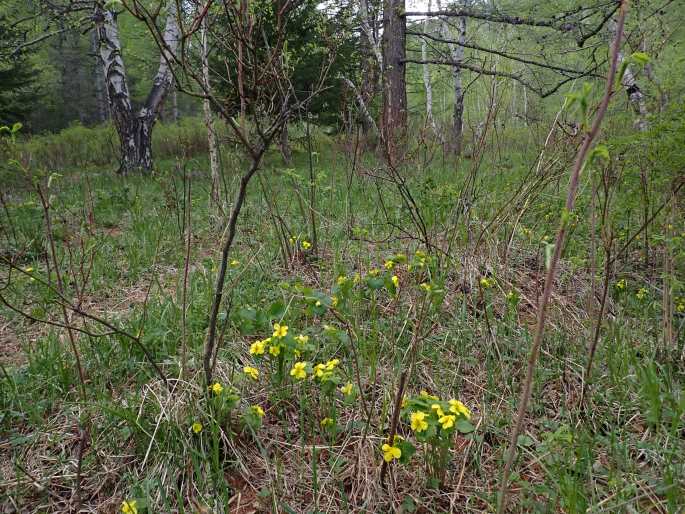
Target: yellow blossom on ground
x,y
346,389
418,421
234,263
424,394
280,330
437,409
459,408
680,307
197,427
425,286
390,452
319,370
275,350
641,293
621,284
318,303
374,272
334,301
341,280
302,339
447,421
251,372
326,422
389,265
257,410
257,348
331,364
217,388
129,507
306,245
299,370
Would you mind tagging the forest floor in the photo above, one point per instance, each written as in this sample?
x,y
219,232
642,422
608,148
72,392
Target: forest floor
x,y
362,292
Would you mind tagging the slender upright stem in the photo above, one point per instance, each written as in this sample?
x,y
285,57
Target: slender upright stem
x,y
574,180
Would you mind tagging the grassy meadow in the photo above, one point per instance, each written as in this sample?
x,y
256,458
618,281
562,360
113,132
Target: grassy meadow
x,y
342,277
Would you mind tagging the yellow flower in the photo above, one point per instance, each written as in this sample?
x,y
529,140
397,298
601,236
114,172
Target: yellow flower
x,y
257,410
424,394
298,370
129,507
319,370
426,287
680,307
28,270
459,408
257,348
234,263
346,389
418,421
374,272
318,303
325,422
447,421
251,372
485,282
331,364
389,264
641,293
334,301
302,339
395,281
275,350
341,280
197,427
390,452
437,409
621,284
280,330
306,245
217,388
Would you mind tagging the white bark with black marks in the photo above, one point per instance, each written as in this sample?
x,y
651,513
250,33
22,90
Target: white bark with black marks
x,y
134,128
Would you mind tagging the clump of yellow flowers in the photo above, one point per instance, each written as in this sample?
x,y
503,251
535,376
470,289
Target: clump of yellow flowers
x,y
433,422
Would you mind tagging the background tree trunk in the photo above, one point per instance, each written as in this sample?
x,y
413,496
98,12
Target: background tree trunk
x,y
134,129
394,125
455,143
209,120
635,95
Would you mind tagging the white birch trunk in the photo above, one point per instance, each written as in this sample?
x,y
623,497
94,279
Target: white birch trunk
x,y
635,95
457,56
209,120
134,129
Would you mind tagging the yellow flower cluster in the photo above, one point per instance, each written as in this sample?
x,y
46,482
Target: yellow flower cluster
x,y
430,409
299,370
251,372
324,371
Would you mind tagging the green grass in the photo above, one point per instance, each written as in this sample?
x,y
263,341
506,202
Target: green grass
x,y
624,452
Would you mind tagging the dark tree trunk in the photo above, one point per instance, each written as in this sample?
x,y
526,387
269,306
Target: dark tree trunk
x,y
394,83
136,144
